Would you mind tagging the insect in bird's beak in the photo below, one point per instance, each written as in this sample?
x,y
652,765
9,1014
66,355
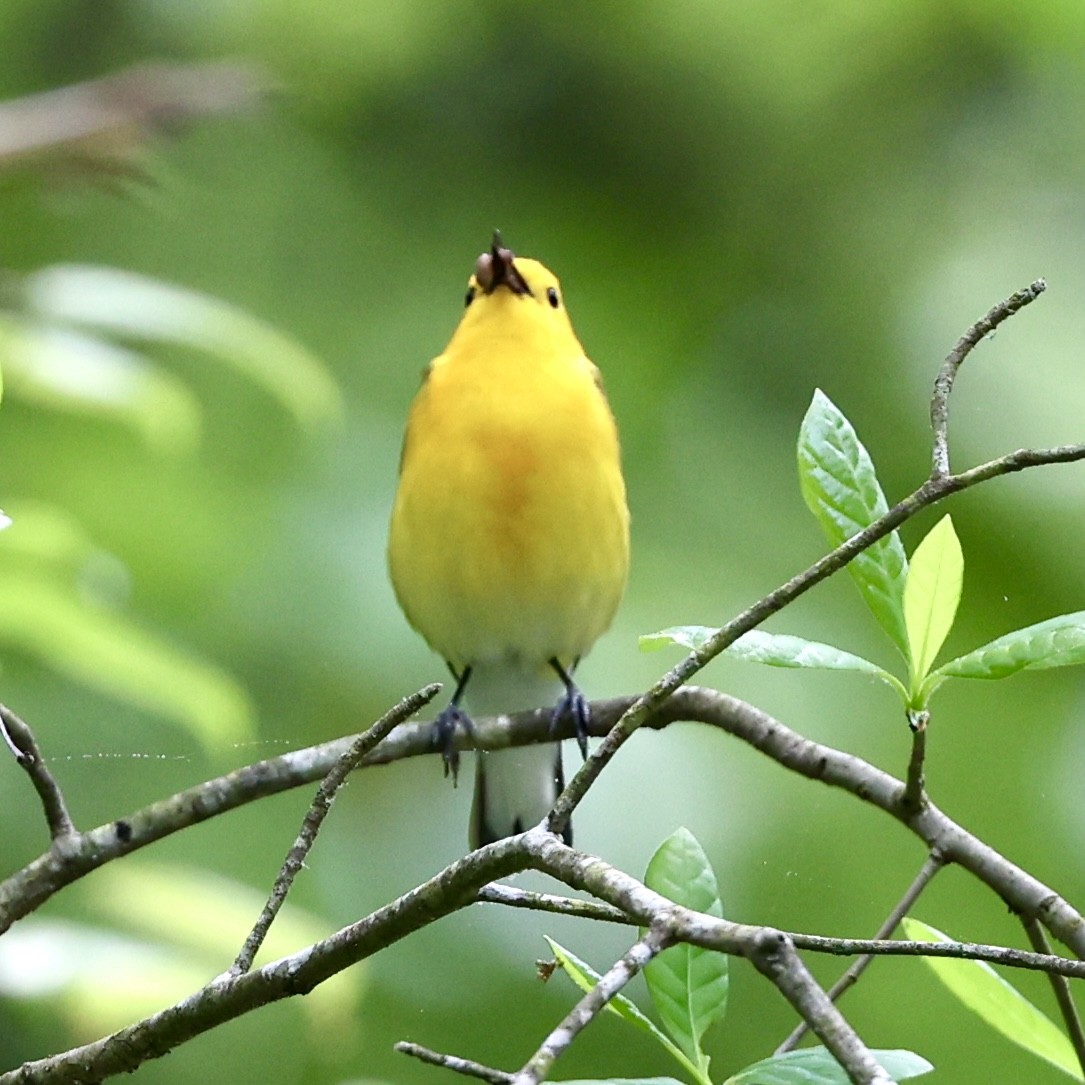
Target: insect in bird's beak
x,y
497,268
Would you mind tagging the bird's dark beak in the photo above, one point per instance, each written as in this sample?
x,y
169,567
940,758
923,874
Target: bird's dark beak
x,y
498,268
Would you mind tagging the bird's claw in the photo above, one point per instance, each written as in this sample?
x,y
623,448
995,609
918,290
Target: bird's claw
x,y
576,705
451,719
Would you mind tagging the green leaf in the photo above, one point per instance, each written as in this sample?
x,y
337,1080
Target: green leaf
x,y
126,304
816,1066
103,650
688,984
1002,1006
55,585
47,538
1057,642
932,591
783,650
685,636
585,977
71,371
841,489
774,650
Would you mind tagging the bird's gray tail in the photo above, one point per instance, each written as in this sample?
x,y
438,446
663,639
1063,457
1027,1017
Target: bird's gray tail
x,y
514,790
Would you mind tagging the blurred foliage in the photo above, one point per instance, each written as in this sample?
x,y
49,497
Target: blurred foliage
x,y
744,202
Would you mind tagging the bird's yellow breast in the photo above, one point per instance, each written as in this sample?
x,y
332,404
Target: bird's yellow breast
x,y
509,534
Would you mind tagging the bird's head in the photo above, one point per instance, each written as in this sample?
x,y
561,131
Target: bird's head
x,y
501,275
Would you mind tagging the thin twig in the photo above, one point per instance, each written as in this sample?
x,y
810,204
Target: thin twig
x,y
929,493
1071,967
933,863
936,487
590,1006
1061,988
881,945
317,812
510,897
231,996
454,1063
771,951
943,383
27,889
20,740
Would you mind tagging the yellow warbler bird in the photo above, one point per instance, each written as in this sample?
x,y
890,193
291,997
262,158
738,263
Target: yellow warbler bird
x,y
509,543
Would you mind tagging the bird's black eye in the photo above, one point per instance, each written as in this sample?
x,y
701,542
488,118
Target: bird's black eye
x,y
552,297
470,296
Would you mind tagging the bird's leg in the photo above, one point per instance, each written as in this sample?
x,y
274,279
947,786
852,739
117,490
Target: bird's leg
x,y
444,727
576,704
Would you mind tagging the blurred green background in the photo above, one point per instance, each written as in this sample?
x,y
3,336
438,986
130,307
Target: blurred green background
x,y
744,202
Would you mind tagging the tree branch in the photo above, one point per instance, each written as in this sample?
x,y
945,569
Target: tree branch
x,y
229,996
454,1063
548,902
776,958
943,383
591,1005
1061,988
103,122
318,811
73,856
20,740
933,863
929,493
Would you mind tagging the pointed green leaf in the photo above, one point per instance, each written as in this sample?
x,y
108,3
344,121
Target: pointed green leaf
x,y
932,591
74,372
585,977
1002,1006
816,1066
126,304
1057,642
774,650
841,489
783,650
685,636
103,650
688,984
47,538
59,596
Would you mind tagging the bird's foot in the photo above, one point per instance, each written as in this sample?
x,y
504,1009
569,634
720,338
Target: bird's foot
x,y
451,719
575,704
